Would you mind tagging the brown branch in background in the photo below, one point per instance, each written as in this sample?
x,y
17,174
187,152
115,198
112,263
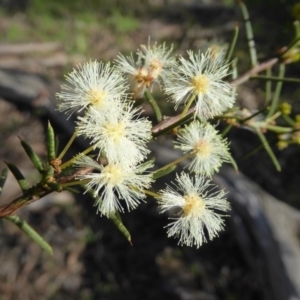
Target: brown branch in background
x,y
34,65
169,121
254,71
20,49
45,55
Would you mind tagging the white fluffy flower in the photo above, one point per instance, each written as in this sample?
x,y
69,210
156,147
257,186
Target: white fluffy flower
x,y
157,59
118,132
209,148
200,77
115,182
195,209
93,84
129,65
151,65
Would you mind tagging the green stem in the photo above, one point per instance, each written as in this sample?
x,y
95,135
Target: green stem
x,y
274,117
152,194
275,100
279,129
291,45
154,105
232,43
276,79
268,86
251,152
75,182
71,161
249,34
268,149
176,161
289,120
226,130
62,154
234,75
190,101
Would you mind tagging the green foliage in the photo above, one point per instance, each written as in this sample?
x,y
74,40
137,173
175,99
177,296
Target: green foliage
x,y
76,24
123,24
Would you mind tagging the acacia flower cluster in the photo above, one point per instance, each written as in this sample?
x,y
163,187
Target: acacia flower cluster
x,y
118,133
152,65
115,128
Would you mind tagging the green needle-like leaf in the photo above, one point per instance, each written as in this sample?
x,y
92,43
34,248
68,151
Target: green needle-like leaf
x,y
234,164
116,219
274,102
23,225
163,171
268,149
24,185
33,157
268,95
226,130
3,177
146,165
50,143
232,43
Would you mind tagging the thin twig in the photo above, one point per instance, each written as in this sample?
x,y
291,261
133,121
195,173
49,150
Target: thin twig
x,y
37,192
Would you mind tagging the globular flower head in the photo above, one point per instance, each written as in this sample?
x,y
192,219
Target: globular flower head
x,y
156,59
113,183
93,84
209,148
118,132
196,209
151,66
200,77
